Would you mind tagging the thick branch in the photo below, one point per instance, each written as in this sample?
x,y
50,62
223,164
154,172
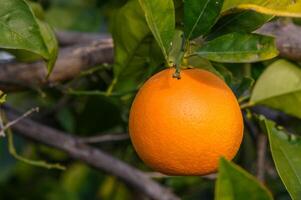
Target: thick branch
x,y
69,38
287,36
92,156
71,61
94,49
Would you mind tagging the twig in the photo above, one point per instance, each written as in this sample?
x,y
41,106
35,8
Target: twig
x,y
261,154
27,113
158,175
37,163
90,155
11,123
104,138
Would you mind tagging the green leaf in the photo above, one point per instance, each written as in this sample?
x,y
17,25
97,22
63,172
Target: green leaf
x,y
244,85
200,16
50,42
2,97
286,151
238,48
201,63
279,87
244,22
20,29
234,183
176,52
160,17
286,8
136,53
37,10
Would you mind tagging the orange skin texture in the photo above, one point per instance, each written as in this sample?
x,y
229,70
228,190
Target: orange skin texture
x,y
183,127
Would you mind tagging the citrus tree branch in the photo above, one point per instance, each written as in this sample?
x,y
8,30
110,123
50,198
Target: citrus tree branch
x,y
287,36
80,51
70,38
104,138
71,61
90,155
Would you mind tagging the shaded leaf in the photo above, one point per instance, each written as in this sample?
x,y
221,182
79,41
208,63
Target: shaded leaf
x,y
200,16
136,53
287,8
286,151
239,47
244,85
279,87
160,17
201,63
50,42
20,29
244,22
234,183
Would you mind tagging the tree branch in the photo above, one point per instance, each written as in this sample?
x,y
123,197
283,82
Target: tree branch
x,y
90,155
287,36
261,156
88,50
70,38
71,61
104,138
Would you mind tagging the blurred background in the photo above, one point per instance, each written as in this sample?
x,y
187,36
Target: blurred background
x,y
87,115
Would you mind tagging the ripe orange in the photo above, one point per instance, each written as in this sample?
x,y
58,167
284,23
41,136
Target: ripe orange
x,y
182,127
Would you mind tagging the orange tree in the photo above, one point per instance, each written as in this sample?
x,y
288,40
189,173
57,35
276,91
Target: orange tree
x,y
252,46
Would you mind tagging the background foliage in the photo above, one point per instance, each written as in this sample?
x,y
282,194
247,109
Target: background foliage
x,y
148,36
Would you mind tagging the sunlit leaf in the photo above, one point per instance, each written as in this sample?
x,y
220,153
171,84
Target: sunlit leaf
x,y
234,183
288,8
239,47
279,87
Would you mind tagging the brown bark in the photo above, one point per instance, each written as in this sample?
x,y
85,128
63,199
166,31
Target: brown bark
x,y
71,61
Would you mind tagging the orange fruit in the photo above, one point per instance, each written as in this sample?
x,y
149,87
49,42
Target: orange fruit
x,y
183,127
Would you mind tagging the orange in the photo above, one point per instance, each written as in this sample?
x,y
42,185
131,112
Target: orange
x,y
183,127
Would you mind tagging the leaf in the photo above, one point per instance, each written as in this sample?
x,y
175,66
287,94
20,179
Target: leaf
x,y
201,63
20,29
279,87
176,52
243,86
160,17
238,48
50,42
286,8
136,53
244,22
200,16
234,183
37,9
286,151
